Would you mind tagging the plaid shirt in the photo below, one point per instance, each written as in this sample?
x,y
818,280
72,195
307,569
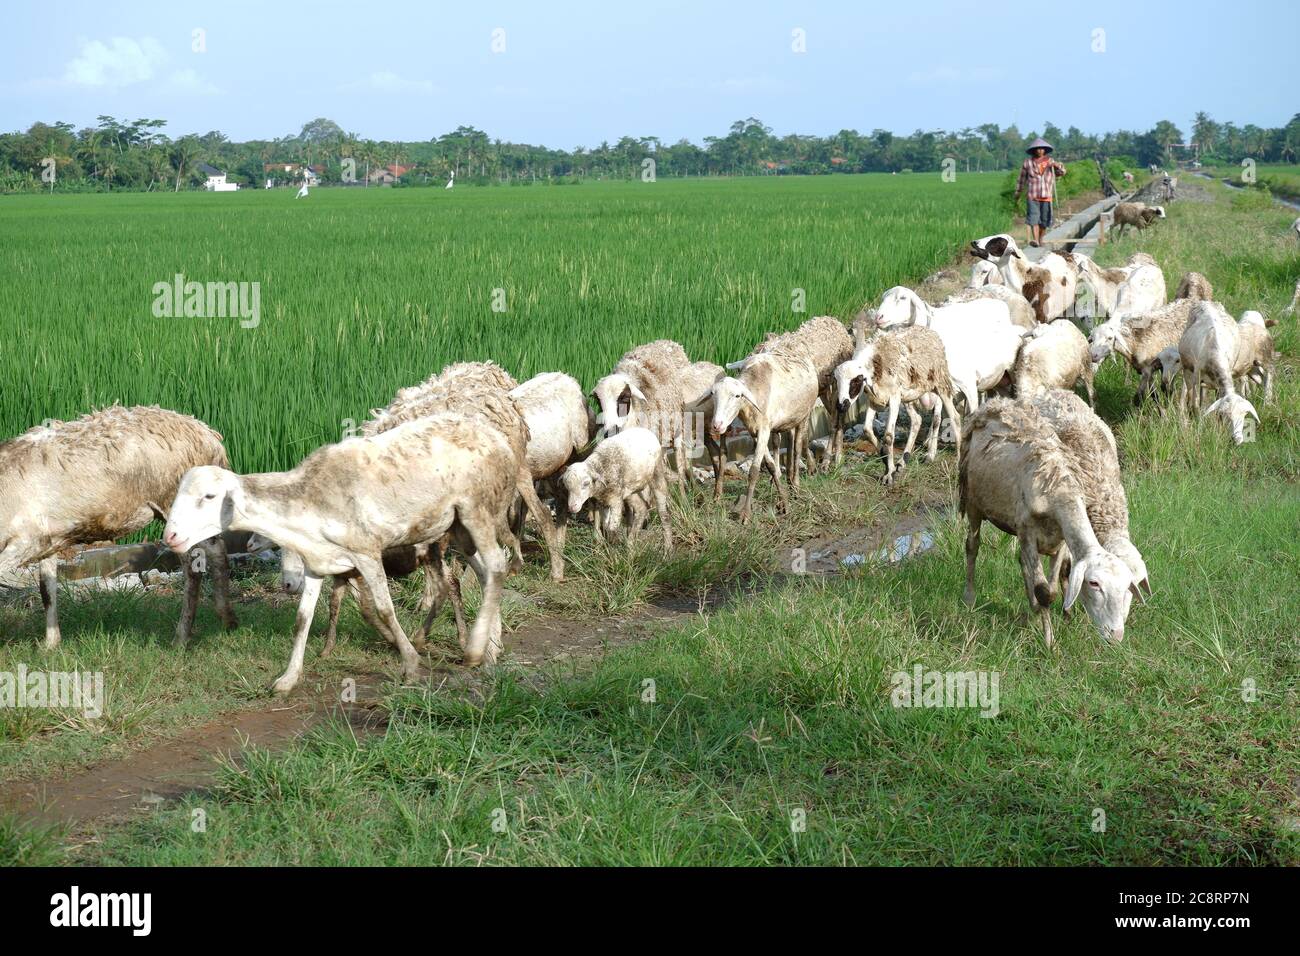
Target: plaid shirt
x,y
1042,185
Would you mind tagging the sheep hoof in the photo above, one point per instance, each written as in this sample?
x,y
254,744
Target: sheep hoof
x,y
283,684
968,599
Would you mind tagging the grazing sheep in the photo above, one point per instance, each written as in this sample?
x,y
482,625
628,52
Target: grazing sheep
x,y
1170,366
1048,286
774,392
101,477
645,389
1136,214
895,368
620,469
826,343
1136,287
1211,347
1019,310
1140,338
1053,356
1255,355
1095,458
979,341
1128,177
345,504
1016,473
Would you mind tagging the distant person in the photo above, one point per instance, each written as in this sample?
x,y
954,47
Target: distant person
x,y
1038,181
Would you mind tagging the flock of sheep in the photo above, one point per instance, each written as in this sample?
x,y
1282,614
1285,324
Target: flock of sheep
x,y
452,467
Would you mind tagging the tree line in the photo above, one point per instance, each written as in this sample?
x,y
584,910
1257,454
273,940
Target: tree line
x,y
139,155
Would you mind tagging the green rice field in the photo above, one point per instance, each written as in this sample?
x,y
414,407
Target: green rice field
x,y
364,291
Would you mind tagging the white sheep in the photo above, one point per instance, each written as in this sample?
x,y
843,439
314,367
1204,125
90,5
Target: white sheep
x,y
616,477
1090,444
1016,474
345,504
983,273
775,392
980,343
1048,285
1130,289
559,427
1141,337
645,389
1019,310
1170,366
102,477
1210,347
1053,356
825,342
896,368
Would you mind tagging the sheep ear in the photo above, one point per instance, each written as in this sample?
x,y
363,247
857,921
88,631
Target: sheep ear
x,y
1137,593
157,512
1074,585
748,396
636,392
1145,585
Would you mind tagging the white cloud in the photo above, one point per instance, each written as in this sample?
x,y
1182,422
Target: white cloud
x,y
121,61
388,82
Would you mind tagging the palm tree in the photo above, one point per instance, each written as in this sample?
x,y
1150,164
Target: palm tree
x,y
182,154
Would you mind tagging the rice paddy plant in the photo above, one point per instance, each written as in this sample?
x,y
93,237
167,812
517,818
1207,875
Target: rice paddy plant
x,y
361,292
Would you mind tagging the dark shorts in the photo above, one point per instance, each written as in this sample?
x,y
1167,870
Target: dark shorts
x,y
1038,213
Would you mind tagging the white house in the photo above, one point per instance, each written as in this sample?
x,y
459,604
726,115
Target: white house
x,y
216,182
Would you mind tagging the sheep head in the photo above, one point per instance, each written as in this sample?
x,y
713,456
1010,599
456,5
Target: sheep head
x,y
578,485
1234,410
851,379
729,395
618,399
1107,338
1105,585
999,248
900,306
204,507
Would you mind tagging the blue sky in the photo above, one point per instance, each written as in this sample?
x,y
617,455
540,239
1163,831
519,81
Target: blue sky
x,y
577,73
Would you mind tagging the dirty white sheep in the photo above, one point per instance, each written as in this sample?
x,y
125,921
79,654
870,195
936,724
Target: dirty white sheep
x,y
616,478
644,389
1016,474
98,478
1054,356
775,392
1136,214
897,368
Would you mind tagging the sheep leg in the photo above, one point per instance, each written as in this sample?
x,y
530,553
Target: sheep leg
x,y
375,582
189,603
1090,385
219,566
485,636
679,457
49,569
888,439
913,429
660,483
974,523
761,453
543,518
337,586
796,450
442,579
286,682
951,411
932,438
719,462
1054,576
773,465
1036,586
